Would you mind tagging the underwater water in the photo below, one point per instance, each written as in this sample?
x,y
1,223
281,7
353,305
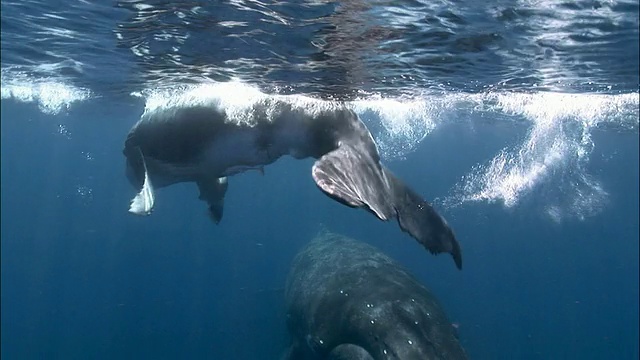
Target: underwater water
x,y
517,119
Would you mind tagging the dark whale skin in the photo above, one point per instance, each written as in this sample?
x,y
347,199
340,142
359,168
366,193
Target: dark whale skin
x,y
347,300
206,144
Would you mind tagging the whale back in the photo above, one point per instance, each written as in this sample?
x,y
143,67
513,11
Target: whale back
x,y
342,291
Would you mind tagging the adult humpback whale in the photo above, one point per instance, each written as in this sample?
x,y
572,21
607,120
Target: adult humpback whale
x,y
204,140
347,300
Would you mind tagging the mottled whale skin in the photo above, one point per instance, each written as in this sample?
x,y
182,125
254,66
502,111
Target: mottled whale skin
x,y
347,300
205,144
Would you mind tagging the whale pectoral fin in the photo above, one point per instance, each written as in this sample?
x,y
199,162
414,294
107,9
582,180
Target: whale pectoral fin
x,y
349,352
350,176
142,203
212,190
420,220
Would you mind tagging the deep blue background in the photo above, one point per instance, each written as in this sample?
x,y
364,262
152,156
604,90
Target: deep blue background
x,y
82,278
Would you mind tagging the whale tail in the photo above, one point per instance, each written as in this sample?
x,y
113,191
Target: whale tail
x,y
350,175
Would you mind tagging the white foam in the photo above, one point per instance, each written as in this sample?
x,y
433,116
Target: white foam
x,y
557,147
51,95
227,95
239,100
405,122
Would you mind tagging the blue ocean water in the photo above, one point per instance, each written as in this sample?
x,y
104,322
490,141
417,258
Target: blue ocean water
x,y
517,119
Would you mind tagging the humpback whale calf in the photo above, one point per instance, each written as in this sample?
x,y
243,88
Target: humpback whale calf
x,y
347,300
206,140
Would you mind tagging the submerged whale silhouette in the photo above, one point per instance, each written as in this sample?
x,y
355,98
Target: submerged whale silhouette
x,y
203,142
347,300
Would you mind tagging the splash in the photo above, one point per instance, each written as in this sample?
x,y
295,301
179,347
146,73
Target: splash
x,y
51,95
556,149
404,123
240,101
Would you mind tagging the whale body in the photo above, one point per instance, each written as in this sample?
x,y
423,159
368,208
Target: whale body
x,y
347,300
205,142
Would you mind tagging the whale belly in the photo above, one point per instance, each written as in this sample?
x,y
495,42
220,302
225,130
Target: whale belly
x,y
235,153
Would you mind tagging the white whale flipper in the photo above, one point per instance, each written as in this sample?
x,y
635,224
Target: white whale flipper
x,y
143,203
